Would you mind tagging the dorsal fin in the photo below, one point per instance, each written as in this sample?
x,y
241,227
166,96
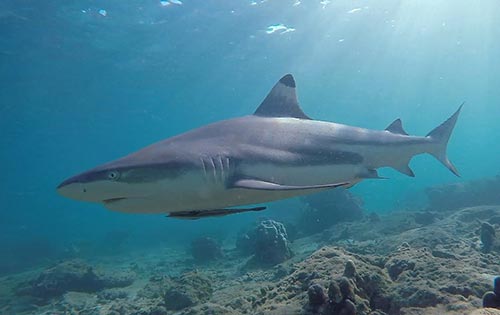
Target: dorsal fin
x,y
396,127
282,101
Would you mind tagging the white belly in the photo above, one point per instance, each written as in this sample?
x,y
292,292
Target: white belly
x,y
195,191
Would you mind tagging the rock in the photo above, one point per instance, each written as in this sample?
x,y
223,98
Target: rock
x,y
156,288
396,266
350,269
205,249
490,299
188,290
487,236
316,295
341,297
73,275
334,294
346,289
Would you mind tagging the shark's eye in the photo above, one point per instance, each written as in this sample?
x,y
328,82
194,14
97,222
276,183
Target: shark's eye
x,y
113,175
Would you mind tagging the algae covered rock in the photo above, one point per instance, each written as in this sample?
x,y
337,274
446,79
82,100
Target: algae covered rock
x,y
316,294
188,290
487,234
73,275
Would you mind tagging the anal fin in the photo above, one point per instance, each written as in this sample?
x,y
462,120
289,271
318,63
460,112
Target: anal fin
x,y
264,185
198,214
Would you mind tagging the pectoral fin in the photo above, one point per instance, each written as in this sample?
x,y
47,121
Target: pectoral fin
x,y
263,185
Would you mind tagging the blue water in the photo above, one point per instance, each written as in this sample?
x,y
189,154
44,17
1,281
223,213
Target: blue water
x,y
79,87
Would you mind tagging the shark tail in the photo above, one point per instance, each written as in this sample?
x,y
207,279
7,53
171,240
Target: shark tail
x,y
440,136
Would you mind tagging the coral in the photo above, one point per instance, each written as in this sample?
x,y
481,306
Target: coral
x,y
334,294
350,269
341,298
73,275
316,294
267,242
205,249
487,236
396,266
271,244
328,208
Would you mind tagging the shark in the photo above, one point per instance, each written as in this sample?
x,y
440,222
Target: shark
x,y
277,152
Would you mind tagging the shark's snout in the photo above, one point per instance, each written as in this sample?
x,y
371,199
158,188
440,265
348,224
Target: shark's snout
x,y
82,188
73,188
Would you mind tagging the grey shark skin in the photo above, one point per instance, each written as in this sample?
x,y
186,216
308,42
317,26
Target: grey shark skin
x,y
276,153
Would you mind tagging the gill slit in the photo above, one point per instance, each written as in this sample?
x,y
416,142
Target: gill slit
x,y
222,176
204,167
214,170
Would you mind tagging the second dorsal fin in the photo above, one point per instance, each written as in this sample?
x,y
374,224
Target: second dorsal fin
x,y
282,101
397,127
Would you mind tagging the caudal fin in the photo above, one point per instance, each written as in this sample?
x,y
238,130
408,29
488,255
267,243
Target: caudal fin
x,y
440,136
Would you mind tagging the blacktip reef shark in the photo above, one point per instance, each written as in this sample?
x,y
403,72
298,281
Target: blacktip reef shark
x,y
276,153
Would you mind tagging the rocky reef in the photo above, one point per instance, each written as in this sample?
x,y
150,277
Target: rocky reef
x,y
399,263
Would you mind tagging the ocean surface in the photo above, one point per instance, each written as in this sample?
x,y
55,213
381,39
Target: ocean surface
x,y
85,82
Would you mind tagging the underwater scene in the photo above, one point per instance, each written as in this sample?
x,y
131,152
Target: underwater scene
x,y
267,157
